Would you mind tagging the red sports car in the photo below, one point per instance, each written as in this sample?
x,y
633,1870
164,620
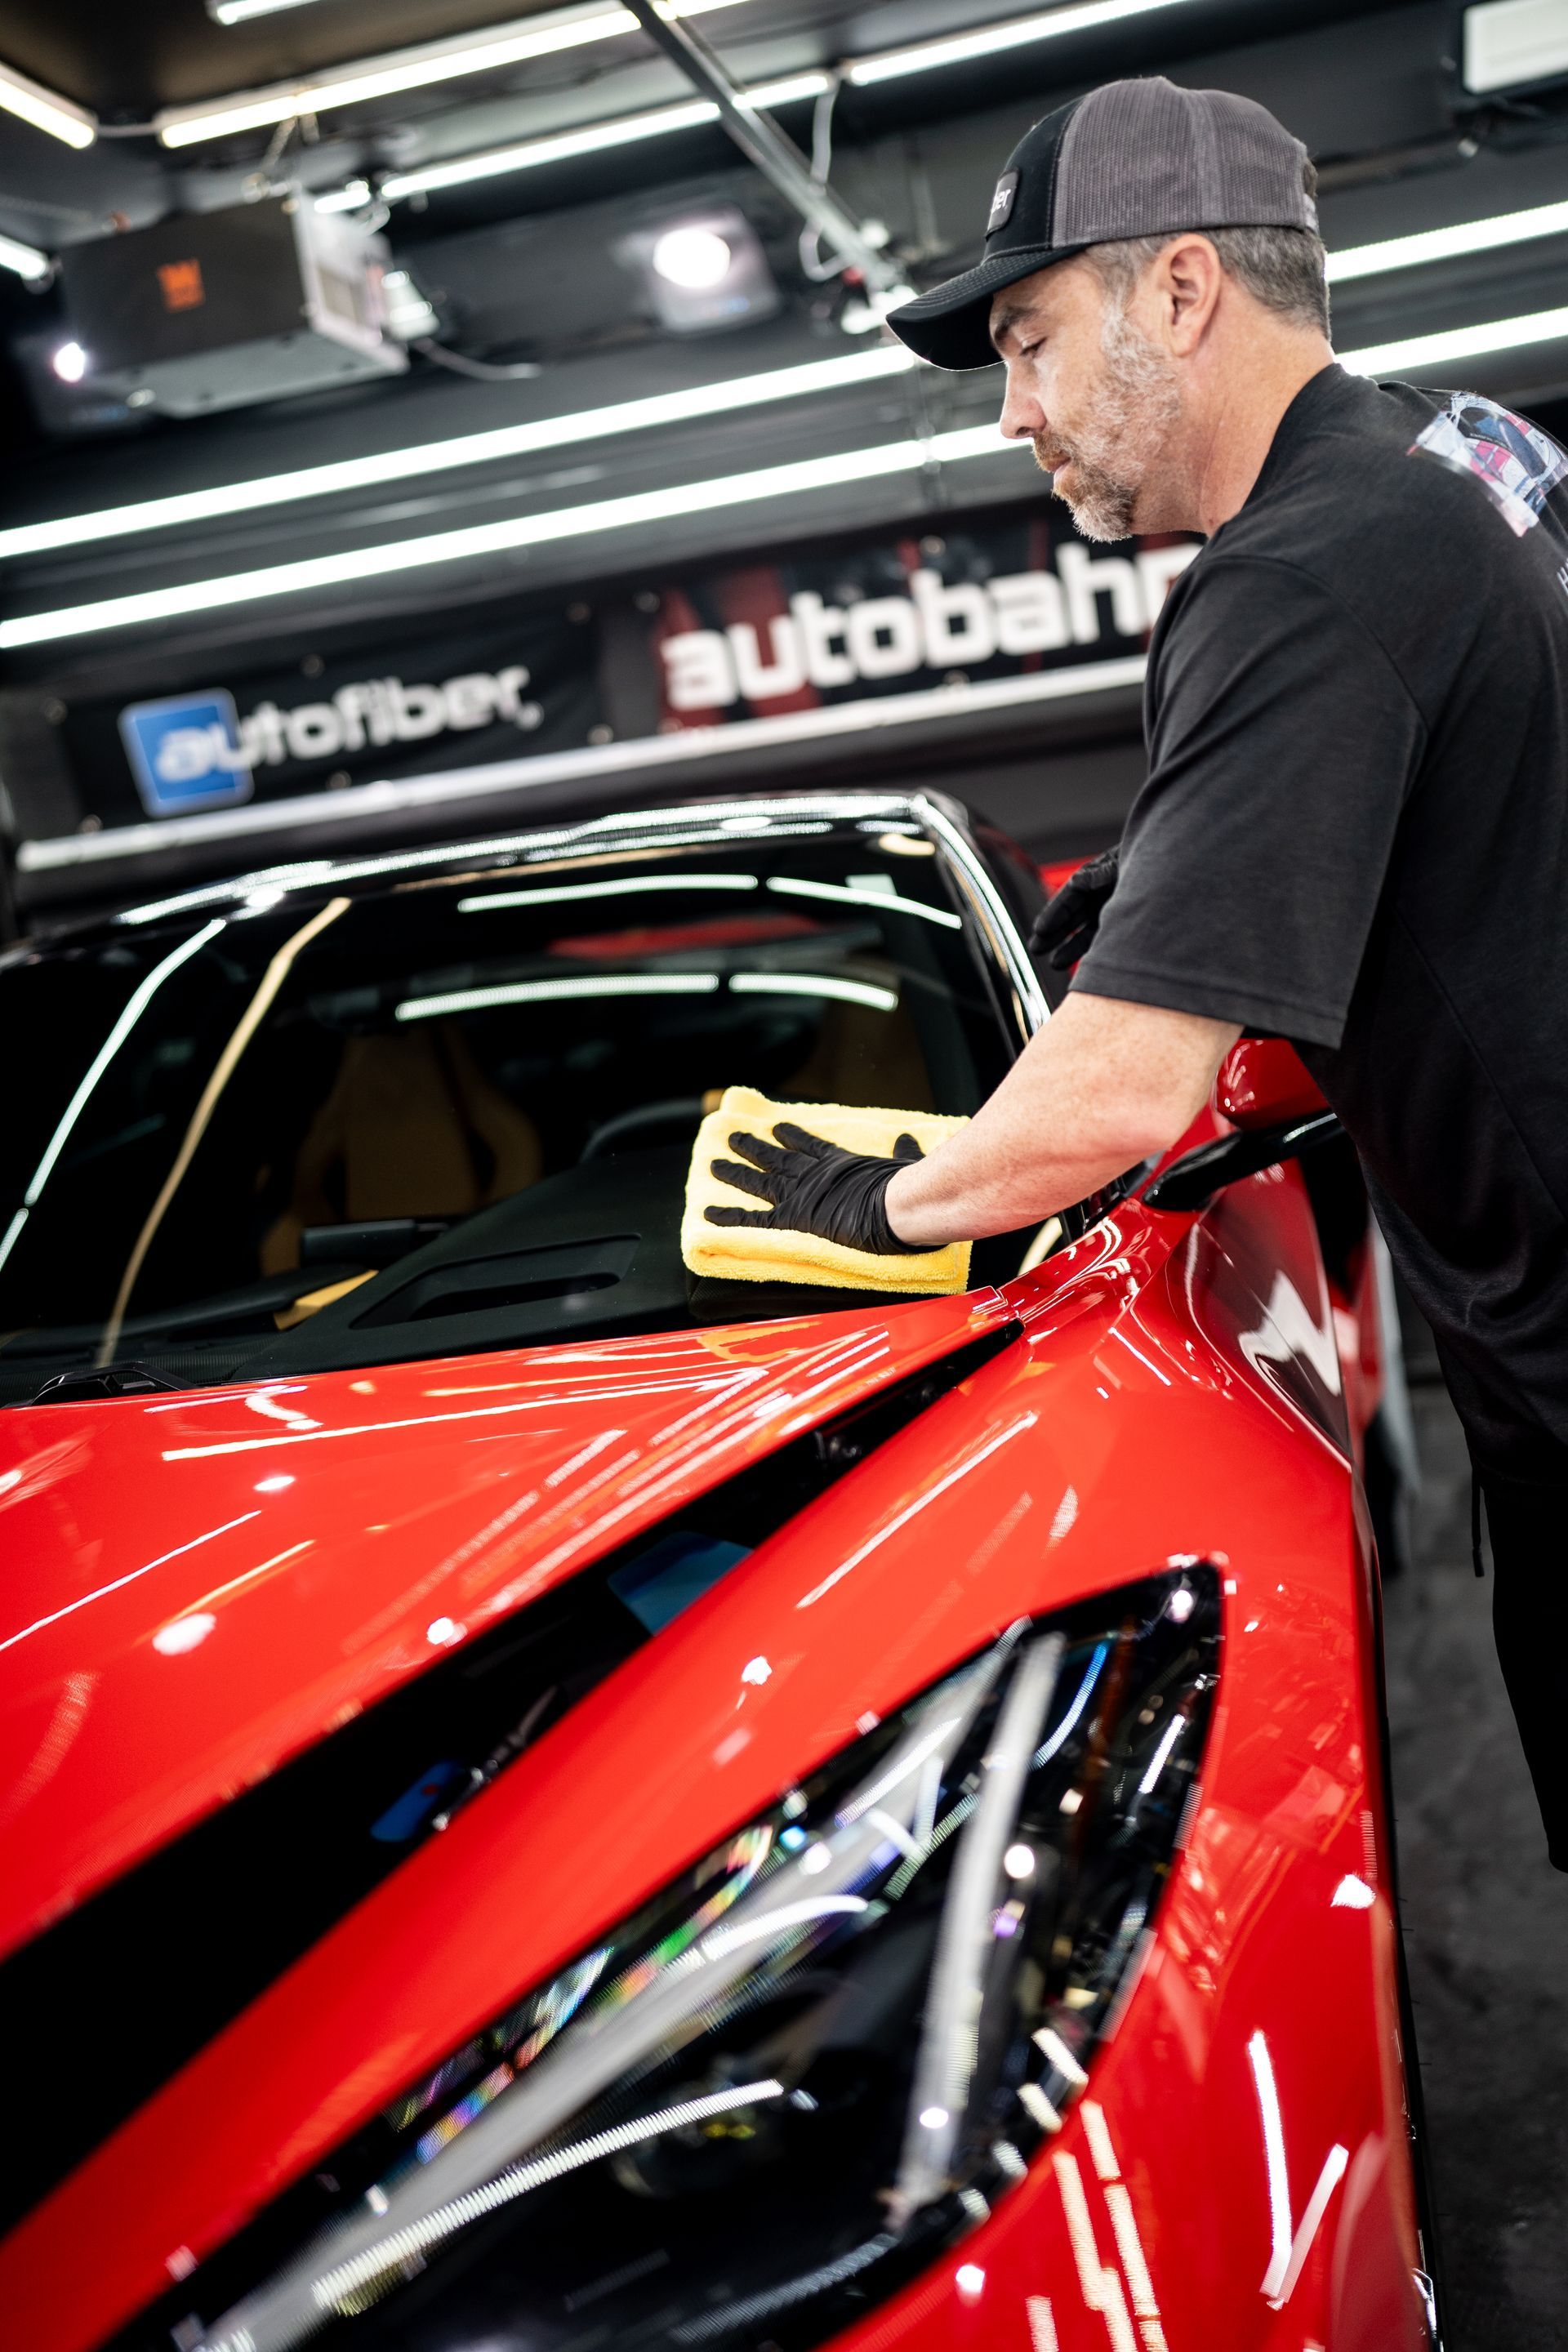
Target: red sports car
x,y
548,1804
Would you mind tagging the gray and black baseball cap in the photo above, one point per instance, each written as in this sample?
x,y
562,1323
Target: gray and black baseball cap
x,y
1131,159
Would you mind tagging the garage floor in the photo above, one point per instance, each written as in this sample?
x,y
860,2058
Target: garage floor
x,y
1486,1926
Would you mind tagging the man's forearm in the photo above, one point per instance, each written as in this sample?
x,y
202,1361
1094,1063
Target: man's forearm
x,y
1102,1087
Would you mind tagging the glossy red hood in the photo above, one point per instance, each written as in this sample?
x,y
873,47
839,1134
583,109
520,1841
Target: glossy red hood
x,y
198,1587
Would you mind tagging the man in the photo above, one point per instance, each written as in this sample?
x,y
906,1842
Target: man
x,y
1354,831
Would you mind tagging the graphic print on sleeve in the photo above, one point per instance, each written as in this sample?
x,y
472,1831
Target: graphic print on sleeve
x,y
1516,463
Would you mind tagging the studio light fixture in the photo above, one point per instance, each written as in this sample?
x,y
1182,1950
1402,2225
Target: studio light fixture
x,y
68,363
412,69
308,482
691,257
1446,244
991,40
480,540
623,130
25,260
45,109
1458,343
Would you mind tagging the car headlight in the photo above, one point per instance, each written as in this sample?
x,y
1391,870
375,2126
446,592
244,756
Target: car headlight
x,y
807,2067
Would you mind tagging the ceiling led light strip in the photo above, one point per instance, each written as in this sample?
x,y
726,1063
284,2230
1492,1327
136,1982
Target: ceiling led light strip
x,y
528,154
413,68
23,259
990,40
1458,343
45,109
1446,244
624,416
491,539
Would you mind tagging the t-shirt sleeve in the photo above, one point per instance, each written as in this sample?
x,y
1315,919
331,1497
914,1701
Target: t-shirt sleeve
x,y
1283,743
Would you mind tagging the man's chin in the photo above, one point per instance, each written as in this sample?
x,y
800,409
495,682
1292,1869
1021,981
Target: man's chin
x,y
1100,511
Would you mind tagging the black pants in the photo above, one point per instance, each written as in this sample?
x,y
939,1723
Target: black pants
x,y
1528,1525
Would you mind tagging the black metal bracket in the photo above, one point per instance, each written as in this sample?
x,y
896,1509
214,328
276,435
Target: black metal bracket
x,y
1194,1180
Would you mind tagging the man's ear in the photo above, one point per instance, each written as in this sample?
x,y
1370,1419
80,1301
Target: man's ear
x,y
1187,279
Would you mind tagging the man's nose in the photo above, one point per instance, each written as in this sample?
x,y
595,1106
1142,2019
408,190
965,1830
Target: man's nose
x,y
1022,414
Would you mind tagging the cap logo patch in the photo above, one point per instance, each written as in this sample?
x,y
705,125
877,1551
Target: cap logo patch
x,y
1002,203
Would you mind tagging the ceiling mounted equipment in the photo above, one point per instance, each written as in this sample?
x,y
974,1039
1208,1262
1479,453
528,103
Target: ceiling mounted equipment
x,y
211,310
704,271
779,162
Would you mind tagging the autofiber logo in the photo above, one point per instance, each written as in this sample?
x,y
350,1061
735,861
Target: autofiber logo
x,y
186,753
195,751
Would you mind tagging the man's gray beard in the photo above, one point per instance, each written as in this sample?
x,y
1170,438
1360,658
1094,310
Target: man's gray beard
x,y
1138,402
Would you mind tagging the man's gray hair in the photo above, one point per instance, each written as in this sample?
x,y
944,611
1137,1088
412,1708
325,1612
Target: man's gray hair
x,y
1283,268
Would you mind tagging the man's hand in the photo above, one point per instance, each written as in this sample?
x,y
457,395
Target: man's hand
x,y
814,1187
1065,927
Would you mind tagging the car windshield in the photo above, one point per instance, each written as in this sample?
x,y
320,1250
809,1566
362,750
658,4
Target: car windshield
x,y
445,1113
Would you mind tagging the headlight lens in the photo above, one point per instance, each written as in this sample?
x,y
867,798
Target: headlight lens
x,y
804,2070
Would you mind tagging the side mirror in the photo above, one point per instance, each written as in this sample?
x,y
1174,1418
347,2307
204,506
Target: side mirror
x,y
1265,1094
1263,1082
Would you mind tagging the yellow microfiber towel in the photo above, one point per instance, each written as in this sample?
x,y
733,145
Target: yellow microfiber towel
x,y
757,1253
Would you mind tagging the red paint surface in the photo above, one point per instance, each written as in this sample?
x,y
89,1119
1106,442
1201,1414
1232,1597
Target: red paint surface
x,y
1262,1082
1149,1410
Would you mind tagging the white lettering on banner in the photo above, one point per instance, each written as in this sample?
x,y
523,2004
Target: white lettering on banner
x,y
937,626
372,713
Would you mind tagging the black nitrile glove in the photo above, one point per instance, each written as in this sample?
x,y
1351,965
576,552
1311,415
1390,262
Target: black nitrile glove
x,y
814,1187
1065,927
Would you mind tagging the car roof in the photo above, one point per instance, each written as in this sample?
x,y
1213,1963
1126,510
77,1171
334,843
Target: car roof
x,y
622,831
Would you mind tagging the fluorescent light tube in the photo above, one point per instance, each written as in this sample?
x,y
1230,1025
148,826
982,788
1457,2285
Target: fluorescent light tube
x,y
623,416
989,40
1444,244
348,199
552,992
23,259
802,983
529,152
45,109
412,69
239,12
622,131
624,886
496,538
1458,343
790,886
1507,43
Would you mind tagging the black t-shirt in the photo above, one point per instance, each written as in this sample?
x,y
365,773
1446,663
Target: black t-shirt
x,y
1354,835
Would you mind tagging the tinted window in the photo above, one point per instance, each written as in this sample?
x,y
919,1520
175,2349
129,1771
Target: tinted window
x,y
246,1142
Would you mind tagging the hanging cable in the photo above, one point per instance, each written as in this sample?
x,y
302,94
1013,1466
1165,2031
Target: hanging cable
x,y
482,371
820,272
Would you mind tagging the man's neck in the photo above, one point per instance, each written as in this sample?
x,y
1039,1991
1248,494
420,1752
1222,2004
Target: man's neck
x,y
1232,434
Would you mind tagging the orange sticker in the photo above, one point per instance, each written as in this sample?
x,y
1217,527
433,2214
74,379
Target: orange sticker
x,y
181,285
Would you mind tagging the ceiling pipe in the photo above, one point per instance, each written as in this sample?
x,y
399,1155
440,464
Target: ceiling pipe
x,y
776,157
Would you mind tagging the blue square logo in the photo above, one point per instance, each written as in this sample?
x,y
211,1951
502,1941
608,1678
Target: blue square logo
x,y
186,754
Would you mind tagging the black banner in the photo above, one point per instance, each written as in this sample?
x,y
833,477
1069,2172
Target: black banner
x,y
397,705
983,600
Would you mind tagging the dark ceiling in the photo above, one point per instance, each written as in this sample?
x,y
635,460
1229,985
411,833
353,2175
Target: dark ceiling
x,y
523,266
126,62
